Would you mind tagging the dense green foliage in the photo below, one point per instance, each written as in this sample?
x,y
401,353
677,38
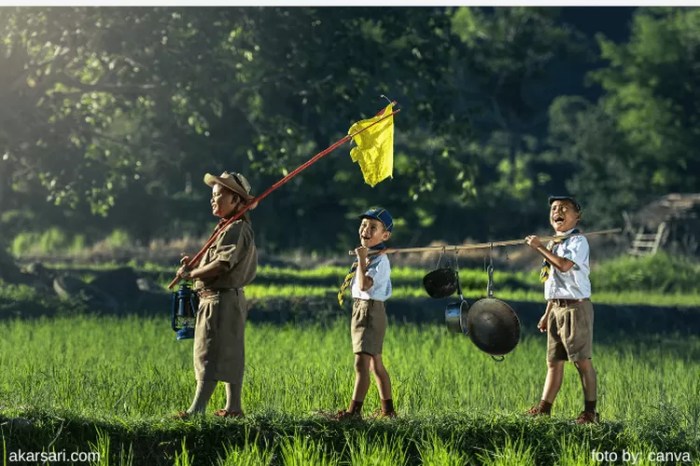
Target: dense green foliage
x,y
640,139
111,116
121,384
661,273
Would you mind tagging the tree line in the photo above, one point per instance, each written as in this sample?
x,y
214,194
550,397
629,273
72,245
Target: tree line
x,y
111,116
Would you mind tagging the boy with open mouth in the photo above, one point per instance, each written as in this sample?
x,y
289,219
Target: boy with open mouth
x,y
568,317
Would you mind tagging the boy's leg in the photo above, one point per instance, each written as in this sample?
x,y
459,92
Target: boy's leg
x,y
552,384
362,361
205,389
233,397
584,351
231,352
556,356
381,377
588,383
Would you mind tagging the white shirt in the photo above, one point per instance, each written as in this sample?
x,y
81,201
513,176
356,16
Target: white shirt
x,y
379,270
575,283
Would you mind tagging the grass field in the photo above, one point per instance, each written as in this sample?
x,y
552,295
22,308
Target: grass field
x,y
110,384
83,383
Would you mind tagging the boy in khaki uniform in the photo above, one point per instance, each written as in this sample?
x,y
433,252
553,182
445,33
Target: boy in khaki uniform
x,y
227,266
371,286
568,317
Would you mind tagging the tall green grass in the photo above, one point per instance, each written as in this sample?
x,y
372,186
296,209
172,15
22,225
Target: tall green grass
x,y
129,375
434,451
133,368
513,451
301,450
251,453
385,450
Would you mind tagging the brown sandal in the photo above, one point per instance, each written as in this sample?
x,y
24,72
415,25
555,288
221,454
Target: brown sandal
x,y
344,415
537,411
224,413
588,417
182,415
379,414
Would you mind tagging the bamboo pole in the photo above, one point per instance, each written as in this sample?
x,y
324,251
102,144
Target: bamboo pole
x,y
472,247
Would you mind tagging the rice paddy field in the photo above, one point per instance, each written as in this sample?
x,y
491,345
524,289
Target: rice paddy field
x,y
104,388
111,384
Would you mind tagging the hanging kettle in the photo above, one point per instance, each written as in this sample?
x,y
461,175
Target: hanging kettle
x,y
184,311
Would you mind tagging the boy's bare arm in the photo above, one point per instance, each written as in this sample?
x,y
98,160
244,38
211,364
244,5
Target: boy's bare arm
x,y
364,282
542,324
562,264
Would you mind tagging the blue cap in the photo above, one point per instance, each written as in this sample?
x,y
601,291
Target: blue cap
x,y
565,198
382,215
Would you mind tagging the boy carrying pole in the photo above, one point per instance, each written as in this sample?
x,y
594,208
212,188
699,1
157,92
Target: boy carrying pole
x,y
568,317
370,278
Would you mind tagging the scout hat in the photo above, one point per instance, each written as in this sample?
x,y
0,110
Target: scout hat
x,y
382,215
233,181
565,198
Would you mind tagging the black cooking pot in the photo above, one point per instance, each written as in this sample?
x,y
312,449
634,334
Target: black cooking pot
x,y
493,326
441,283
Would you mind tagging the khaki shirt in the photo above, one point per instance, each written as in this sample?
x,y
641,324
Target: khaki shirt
x,y
235,246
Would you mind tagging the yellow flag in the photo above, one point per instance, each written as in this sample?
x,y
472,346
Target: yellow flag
x,y
374,149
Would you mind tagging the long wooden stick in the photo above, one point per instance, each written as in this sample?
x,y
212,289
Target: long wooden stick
x,y
472,247
262,196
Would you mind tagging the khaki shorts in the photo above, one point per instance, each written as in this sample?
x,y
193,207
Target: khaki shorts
x,y
570,332
219,334
368,326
